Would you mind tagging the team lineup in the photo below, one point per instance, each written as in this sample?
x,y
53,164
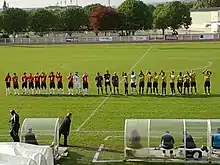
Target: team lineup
x,y
37,83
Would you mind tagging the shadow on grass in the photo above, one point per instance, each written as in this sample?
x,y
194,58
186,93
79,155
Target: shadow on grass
x,y
128,96
90,148
73,158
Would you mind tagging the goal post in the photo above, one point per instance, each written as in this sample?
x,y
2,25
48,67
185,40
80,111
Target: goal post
x,y
142,140
46,131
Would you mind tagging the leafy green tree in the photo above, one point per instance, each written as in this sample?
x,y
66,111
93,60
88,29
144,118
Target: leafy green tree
x,y
190,5
160,18
151,8
135,15
207,3
177,15
73,19
1,21
88,10
104,18
15,21
42,22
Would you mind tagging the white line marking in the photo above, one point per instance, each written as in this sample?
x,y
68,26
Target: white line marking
x,y
98,153
108,137
103,101
99,132
207,66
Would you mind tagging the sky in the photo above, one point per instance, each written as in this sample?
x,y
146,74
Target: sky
x,y
45,3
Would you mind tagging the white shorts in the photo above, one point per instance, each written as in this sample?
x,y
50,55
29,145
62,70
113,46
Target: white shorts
x,y
77,85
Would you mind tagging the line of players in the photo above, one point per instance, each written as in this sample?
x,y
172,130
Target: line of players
x,y
37,84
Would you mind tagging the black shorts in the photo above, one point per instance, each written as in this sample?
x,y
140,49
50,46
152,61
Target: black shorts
x,y
107,83
15,86
8,84
115,84
141,84
31,85
155,84
99,85
207,84
126,85
179,85
37,85
43,85
186,84
164,84
70,85
85,85
24,85
172,85
149,84
193,84
52,85
133,85
59,85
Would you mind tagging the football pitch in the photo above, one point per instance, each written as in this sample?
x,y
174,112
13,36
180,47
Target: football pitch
x,y
100,119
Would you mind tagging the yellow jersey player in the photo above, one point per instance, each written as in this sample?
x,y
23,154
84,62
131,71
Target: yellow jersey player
x,y
141,83
149,82
193,81
186,83
164,82
172,83
125,78
180,83
207,81
155,83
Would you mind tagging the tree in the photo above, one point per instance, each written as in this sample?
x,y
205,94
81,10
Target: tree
x,y
135,15
151,8
1,21
43,21
15,21
104,18
190,5
178,15
88,10
73,19
207,3
160,18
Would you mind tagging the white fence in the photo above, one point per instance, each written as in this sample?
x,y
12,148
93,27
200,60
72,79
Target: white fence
x,y
109,39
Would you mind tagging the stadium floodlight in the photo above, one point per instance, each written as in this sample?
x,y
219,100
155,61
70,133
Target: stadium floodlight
x,y
195,140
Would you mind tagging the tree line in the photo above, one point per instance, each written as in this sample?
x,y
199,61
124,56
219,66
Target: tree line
x,y
130,16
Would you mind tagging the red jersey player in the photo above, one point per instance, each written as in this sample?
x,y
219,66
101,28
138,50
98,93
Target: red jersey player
x,y
59,82
31,83
15,84
52,83
8,83
70,84
85,83
37,83
43,81
24,80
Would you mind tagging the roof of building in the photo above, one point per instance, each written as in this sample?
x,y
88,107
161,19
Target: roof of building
x,y
206,9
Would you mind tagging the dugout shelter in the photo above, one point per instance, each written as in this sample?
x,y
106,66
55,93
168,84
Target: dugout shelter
x,y
142,140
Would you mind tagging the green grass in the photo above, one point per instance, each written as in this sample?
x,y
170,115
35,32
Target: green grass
x,y
111,115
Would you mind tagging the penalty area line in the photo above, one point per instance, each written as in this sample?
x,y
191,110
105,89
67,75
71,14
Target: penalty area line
x,y
103,101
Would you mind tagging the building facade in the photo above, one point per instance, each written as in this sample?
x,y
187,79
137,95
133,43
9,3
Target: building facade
x,y
205,20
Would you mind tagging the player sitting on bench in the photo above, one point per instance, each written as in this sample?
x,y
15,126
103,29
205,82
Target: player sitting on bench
x,y
135,140
30,137
190,144
216,139
167,143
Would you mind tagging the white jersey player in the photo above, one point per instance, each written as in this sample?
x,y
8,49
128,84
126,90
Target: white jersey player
x,y
133,82
76,80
